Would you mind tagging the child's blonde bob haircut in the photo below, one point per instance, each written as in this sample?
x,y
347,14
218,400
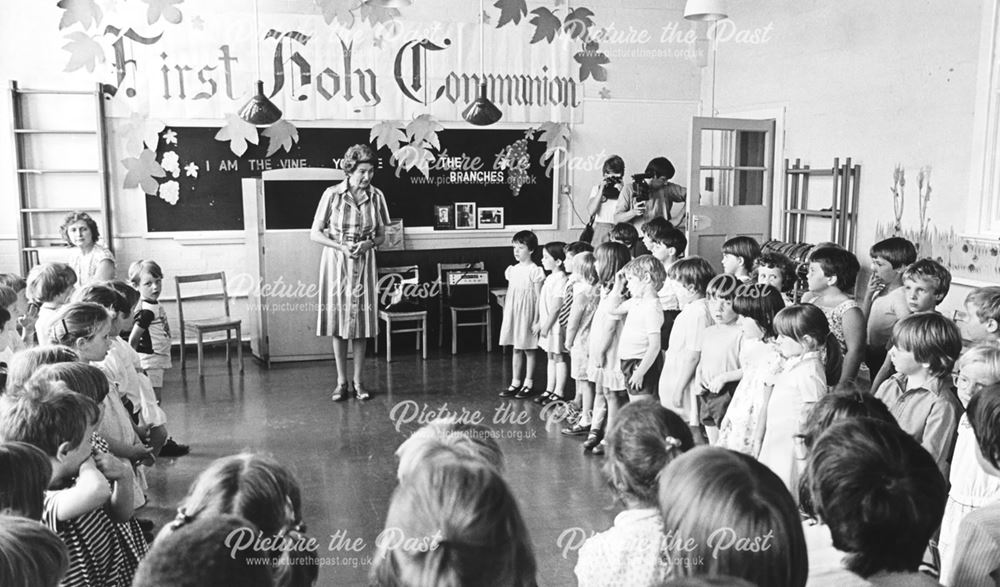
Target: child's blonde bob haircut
x,y
644,265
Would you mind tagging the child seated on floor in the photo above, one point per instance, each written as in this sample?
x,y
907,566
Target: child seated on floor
x,y
881,496
465,440
25,472
266,494
925,347
49,286
982,308
645,439
710,497
30,554
61,422
466,517
23,313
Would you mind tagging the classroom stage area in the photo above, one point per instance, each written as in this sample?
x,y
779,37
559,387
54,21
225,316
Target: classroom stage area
x,y
342,453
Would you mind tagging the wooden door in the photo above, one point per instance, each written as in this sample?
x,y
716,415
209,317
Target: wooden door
x,y
731,184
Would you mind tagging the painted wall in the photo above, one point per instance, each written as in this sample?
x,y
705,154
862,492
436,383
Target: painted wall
x,y
881,82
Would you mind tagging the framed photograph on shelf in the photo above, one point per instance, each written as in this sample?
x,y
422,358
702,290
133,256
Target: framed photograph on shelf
x,y
444,218
465,215
490,217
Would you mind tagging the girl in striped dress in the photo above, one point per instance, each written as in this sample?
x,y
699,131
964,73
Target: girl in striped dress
x,y
350,223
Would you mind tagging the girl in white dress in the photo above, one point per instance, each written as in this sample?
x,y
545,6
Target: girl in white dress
x,y
742,427
551,336
801,335
520,308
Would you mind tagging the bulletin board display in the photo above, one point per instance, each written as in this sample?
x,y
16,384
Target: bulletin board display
x,y
469,169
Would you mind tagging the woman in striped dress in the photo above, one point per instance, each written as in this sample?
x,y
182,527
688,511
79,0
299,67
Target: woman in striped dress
x,y
350,222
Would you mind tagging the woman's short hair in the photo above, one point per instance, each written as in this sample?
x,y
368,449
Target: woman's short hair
x,y
660,167
25,473
356,155
710,498
454,522
613,165
880,493
30,554
74,217
463,439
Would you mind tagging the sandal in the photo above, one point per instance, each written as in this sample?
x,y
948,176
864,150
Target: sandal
x,y
360,392
339,393
511,391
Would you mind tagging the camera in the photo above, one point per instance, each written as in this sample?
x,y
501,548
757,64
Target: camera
x,y
640,187
611,188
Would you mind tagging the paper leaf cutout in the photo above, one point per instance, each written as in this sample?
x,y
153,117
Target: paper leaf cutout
x,y
546,25
486,18
578,23
198,23
85,12
511,11
341,11
281,134
191,170
605,93
140,131
424,129
388,135
170,192
163,9
554,134
142,171
410,156
592,62
84,52
170,137
238,132
171,163
376,14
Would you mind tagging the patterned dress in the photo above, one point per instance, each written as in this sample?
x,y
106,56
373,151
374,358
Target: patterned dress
x,y
742,428
347,296
86,265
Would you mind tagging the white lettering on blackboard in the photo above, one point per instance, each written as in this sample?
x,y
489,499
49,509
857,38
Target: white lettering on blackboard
x,y
229,165
287,163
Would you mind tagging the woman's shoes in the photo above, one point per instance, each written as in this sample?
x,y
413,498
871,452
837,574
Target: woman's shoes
x,y
511,391
339,393
524,393
360,392
593,439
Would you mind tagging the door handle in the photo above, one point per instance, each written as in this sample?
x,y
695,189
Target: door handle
x,y
699,222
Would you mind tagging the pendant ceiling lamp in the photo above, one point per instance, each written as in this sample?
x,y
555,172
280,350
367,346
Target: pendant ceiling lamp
x,y
482,112
705,10
259,110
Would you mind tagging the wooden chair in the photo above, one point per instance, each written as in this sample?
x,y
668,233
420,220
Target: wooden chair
x,y
202,326
391,281
465,288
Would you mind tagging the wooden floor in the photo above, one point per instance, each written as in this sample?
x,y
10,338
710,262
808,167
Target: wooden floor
x,y
343,456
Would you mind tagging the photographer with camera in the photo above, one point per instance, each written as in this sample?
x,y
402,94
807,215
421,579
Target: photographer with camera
x,y
604,198
652,196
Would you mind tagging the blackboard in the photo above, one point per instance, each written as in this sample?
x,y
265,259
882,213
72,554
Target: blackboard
x,y
212,200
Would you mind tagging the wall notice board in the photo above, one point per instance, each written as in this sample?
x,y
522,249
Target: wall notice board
x,y
211,197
